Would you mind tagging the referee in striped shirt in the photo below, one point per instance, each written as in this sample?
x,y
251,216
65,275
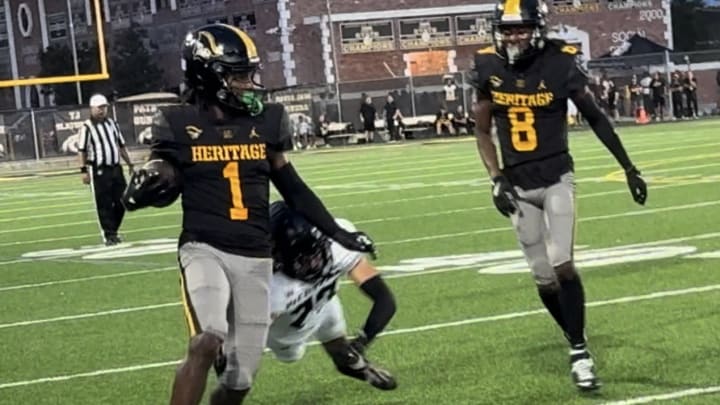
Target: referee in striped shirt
x,y
101,147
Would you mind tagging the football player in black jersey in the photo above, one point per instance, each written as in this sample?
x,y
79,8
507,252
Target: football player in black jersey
x,y
524,82
220,153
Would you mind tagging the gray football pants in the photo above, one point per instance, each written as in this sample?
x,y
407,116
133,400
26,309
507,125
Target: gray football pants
x,y
228,296
545,227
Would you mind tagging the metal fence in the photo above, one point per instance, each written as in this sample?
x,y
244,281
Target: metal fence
x,y
621,69
413,96
49,132
53,132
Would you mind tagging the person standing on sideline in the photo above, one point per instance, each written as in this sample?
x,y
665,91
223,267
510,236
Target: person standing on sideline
x,y
367,117
101,147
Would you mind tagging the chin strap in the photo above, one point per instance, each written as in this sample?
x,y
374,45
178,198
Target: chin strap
x,y
253,102
249,101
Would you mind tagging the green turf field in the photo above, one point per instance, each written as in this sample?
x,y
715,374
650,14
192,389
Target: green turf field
x,y
84,324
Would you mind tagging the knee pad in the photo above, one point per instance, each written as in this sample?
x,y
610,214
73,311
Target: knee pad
x,y
550,287
566,271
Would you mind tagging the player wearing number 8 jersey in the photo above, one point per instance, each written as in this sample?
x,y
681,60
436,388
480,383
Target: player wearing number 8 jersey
x,y
524,82
223,150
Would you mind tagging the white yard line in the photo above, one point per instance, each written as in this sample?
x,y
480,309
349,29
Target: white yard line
x,y
585,219
87,315
664,397
581,196
84,279
471,321
712,235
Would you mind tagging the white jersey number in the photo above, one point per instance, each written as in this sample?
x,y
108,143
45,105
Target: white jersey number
x,y
313,301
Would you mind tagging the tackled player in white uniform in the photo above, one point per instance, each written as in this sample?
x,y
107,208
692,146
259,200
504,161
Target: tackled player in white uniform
x,y
304,304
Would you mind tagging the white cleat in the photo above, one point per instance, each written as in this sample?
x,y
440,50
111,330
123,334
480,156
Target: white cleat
x,y
583,373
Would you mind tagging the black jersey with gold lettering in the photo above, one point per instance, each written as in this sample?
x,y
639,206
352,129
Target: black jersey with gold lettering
x,y
225,173
529,107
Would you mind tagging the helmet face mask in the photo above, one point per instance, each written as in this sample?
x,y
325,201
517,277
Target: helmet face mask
x,y
519,28
300,250
216,58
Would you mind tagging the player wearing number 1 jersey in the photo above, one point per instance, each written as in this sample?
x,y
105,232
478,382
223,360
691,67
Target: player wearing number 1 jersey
x,y
523,82
222,151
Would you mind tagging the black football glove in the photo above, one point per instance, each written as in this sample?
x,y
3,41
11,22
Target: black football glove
x,y
637,185
504,195
357,241
149,187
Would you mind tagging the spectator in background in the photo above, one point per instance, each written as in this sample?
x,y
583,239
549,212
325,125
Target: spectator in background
x,y
392,118
658,93
600,92
717,81
611,94
647,101
322,129
442,120
450,89
367,117
461,121
690,88
635,95
305,132
573,115
676,94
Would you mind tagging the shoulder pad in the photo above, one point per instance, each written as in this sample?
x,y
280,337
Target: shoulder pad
x,y
487,50
274,107
569,49
563,47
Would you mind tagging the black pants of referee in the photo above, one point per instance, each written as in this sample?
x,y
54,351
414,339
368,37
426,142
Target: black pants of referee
x,y
108,184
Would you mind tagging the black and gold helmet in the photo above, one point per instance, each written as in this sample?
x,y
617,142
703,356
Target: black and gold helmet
x,y
520,13
300,250
210,54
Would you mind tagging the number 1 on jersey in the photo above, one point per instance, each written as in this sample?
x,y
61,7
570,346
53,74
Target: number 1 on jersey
x,y
238,212
524,125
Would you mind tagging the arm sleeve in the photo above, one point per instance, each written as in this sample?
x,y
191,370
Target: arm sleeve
x,y
383,308
602,127
300,197
283,141
162,141
479,80
578,78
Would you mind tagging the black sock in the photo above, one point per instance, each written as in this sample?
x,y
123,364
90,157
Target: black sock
x,y
572,301
551,300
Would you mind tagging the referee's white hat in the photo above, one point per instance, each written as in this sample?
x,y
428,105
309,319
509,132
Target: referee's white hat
x,y
98,100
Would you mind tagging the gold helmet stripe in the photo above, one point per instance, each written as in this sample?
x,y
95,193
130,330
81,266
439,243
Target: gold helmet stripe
x,y
512,11
249,43
212,43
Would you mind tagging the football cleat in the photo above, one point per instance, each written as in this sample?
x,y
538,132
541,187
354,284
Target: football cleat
x,y
582,369
358,367
379,378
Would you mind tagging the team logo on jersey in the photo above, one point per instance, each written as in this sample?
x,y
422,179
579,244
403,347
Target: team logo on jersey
x,y
227,133
542,86
495,81
253,133
193,132
569,49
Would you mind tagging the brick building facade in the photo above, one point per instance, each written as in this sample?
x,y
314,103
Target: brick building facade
x,y
316,42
